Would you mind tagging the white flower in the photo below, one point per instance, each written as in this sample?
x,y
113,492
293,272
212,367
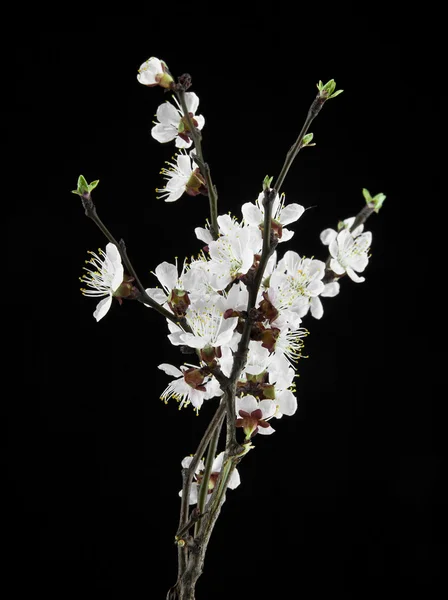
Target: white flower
x,y
234,480
153,72
252,415
298,283
232,255
283,215
104,277
209,328
190,386
349,253
181,176
289,343
192,281
173,124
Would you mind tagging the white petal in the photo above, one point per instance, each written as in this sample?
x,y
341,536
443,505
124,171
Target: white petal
x,y
167,274
174,194
194,489
102,308
268,408
170,370
196,398
204,235
246,403
336,267
184,164
163,134
167,114
266,430
186,462
112,253
317,310
194,341
234,480
354,277
366,240
286,235
316,269
334,248
291,213
217,463
331,289
226,224
157,294
315,287
327,236
226,332
118,277
252,214
192,102
287,403
200,120
181,143
359,263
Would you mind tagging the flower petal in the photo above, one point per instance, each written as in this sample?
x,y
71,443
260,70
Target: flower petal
x,y
167,274
336,267
163,134
327,236
331,289
102,308
167,114
354,277
291,213
246,403
317,310
234,480
287,403
170,370
252,214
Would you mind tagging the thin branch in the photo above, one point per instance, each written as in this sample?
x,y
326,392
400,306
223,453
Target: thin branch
x,y
203,166
91,212
313,111
188,474
204,487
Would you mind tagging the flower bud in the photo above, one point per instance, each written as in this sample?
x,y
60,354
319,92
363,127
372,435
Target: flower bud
x,y
179,301
196,184
155,72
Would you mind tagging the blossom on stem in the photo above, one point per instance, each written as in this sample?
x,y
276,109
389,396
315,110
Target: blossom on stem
x,y
281,215
191,385
209,328
173,124
176,288
253,415
181,176
349,253
232,254
104,277
297,283
154,72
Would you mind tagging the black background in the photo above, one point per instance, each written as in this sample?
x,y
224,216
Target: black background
x,y
348,495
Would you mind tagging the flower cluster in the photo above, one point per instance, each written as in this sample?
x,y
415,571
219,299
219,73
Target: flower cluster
x,y
212,298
